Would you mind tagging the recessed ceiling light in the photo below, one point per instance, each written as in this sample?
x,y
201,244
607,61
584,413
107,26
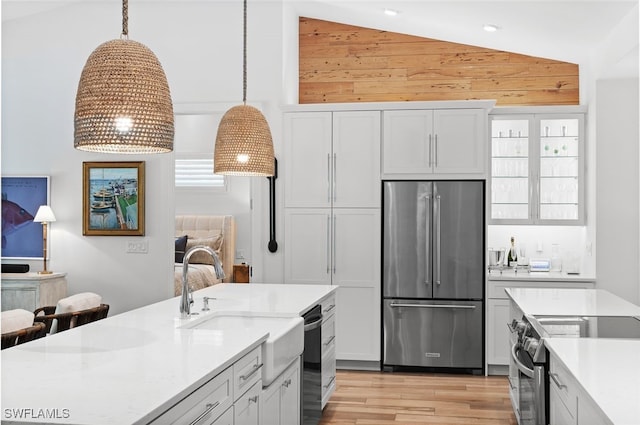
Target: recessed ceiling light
x,y
390,12
490,27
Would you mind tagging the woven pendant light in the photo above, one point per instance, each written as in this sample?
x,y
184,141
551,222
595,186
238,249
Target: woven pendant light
x,y
123,103
244,146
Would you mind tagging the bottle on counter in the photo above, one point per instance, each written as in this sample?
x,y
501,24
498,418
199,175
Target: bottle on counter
x,y
512,257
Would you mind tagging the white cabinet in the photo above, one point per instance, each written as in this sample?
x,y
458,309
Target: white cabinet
x,y
537,168
247,407
499,314
281,399
226,418
332,218
340,247
333,159
448,141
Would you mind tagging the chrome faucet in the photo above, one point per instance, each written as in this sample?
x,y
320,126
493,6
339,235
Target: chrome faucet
x,y
186,300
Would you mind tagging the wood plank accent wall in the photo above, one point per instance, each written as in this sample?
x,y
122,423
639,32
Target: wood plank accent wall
x,y
343,63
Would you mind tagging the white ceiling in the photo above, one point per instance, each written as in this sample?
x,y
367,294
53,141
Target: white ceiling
x,y
566,30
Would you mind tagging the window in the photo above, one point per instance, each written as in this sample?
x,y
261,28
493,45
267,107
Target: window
x,y
197,172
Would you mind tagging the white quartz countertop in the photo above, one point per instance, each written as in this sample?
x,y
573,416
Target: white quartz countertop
x,y
569,301
524,275
131,367
607,370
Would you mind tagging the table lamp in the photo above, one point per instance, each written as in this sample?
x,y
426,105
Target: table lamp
x,y
44,216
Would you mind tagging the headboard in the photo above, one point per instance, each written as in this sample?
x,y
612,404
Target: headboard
x,y
203,226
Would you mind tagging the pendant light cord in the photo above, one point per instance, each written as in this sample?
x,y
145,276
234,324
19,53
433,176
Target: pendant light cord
x,y
244,56
125,18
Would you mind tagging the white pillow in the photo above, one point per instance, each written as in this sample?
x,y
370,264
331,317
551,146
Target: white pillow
x,y
13,320
77,302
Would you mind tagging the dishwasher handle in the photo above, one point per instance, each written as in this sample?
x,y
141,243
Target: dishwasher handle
x,y
313,325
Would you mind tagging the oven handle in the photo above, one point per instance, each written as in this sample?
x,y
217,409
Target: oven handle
x,y
521,367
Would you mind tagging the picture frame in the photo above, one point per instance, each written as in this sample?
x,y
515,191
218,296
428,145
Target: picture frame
x,y
113,198
21,198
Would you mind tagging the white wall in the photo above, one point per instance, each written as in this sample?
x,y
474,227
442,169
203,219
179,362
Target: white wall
x,y
200,47
618,217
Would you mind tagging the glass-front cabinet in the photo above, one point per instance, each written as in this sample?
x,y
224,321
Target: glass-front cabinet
x,y
537,163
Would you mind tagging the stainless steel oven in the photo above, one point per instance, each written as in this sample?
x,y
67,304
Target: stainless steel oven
x,y
528,375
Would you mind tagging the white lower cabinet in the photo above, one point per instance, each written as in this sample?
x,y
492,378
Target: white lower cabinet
x,y
340,247
568,402
247,407
281,399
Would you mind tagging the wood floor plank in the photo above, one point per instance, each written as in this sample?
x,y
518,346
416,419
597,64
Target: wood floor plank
x,y
384,398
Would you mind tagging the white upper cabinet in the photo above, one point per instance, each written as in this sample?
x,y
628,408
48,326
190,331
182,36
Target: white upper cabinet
x,y
333,159
537,168
441,141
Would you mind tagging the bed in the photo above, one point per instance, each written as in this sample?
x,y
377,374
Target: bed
x,y
215,231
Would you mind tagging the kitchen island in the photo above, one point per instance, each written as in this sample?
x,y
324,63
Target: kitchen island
x,y
599,378
133,367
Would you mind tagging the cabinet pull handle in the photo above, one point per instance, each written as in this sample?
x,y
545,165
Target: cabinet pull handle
x,y
429,150
333,378
335,177
467,307
436,151
330,341
556,380
333,245
328,244
256,367
287,383
209,409
328,309
253,399
329,178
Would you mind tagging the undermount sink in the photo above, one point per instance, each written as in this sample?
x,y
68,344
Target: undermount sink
x,y
284,344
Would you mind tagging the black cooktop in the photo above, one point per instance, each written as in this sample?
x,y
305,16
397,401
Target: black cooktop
x,y
590,326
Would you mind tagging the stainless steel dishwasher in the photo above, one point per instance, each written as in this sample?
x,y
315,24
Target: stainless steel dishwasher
x,y
311,387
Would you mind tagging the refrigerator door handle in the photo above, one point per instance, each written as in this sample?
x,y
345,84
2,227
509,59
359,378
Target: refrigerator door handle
x,y
436,214
427,235
466,307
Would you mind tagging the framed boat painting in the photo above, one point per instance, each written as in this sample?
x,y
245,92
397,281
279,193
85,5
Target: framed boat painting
x,y
21,198
113,198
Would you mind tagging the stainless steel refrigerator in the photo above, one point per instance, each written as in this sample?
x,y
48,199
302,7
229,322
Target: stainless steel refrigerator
x,y
433,274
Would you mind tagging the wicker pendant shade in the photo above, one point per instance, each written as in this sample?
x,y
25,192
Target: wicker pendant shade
x,y
244,146
123,103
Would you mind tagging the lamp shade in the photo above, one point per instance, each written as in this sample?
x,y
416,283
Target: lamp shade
x,y
44,215
123,103
244,146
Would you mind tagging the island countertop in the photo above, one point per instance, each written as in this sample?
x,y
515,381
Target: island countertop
x,y
131,367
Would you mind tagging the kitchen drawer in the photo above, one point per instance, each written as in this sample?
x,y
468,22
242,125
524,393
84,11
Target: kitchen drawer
x,y
204,404
246,408
246,371
328,306
226,418
328,335
562,381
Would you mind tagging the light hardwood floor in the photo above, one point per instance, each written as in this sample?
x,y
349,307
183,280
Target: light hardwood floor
x,y
380,398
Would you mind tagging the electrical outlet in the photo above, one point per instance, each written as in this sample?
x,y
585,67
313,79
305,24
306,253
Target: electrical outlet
x,y
240,254
138,246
